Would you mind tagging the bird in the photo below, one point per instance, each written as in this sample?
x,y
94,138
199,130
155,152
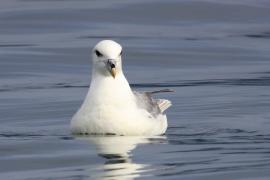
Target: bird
x,y
111,107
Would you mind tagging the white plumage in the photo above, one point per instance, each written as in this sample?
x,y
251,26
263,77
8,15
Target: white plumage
x,y
111,107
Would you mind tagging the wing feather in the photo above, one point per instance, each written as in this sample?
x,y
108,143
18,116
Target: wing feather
x,y
153,106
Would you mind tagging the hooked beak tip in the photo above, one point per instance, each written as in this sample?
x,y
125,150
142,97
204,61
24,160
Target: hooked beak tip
x,y
113,72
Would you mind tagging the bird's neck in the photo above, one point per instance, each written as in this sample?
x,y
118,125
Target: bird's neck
x,y
109,87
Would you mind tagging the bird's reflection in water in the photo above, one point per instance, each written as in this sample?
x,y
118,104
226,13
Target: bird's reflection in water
x,y
117,150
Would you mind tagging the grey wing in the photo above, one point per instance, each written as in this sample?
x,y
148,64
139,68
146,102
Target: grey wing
x,y
153,106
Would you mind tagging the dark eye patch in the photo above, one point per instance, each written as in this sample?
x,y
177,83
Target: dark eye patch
x,y
121,53
98,53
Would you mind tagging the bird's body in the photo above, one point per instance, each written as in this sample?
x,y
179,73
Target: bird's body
x,y
111,107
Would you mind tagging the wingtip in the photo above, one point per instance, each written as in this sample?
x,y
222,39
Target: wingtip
x,y
162,91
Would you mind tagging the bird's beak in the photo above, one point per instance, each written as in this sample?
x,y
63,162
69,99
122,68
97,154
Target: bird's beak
x,y
112,67
113,72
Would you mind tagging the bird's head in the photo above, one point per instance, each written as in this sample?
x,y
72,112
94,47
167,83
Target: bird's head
x,y
106,57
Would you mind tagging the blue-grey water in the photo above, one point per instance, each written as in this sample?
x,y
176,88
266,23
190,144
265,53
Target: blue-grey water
x,y
215,54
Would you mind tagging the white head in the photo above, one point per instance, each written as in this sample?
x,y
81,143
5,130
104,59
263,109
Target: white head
x,y
106,57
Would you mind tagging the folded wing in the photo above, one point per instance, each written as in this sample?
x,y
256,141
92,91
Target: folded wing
x,y
153,106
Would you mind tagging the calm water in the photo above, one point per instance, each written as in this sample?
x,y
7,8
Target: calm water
x,y
214,54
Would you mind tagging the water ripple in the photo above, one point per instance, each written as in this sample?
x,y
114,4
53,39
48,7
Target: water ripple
x,y
14,135
218,137
261,81
189,38
16,45
216,169
263,35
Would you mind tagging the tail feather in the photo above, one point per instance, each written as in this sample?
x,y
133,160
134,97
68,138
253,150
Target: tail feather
x,y
163,104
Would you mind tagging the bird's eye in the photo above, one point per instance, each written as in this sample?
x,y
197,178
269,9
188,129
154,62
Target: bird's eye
x,y
121,53
98,53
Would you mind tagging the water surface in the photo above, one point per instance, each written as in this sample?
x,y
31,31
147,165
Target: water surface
x,y
214,54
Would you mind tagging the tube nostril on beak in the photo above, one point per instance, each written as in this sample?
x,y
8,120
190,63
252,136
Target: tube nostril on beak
x,y
112,65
